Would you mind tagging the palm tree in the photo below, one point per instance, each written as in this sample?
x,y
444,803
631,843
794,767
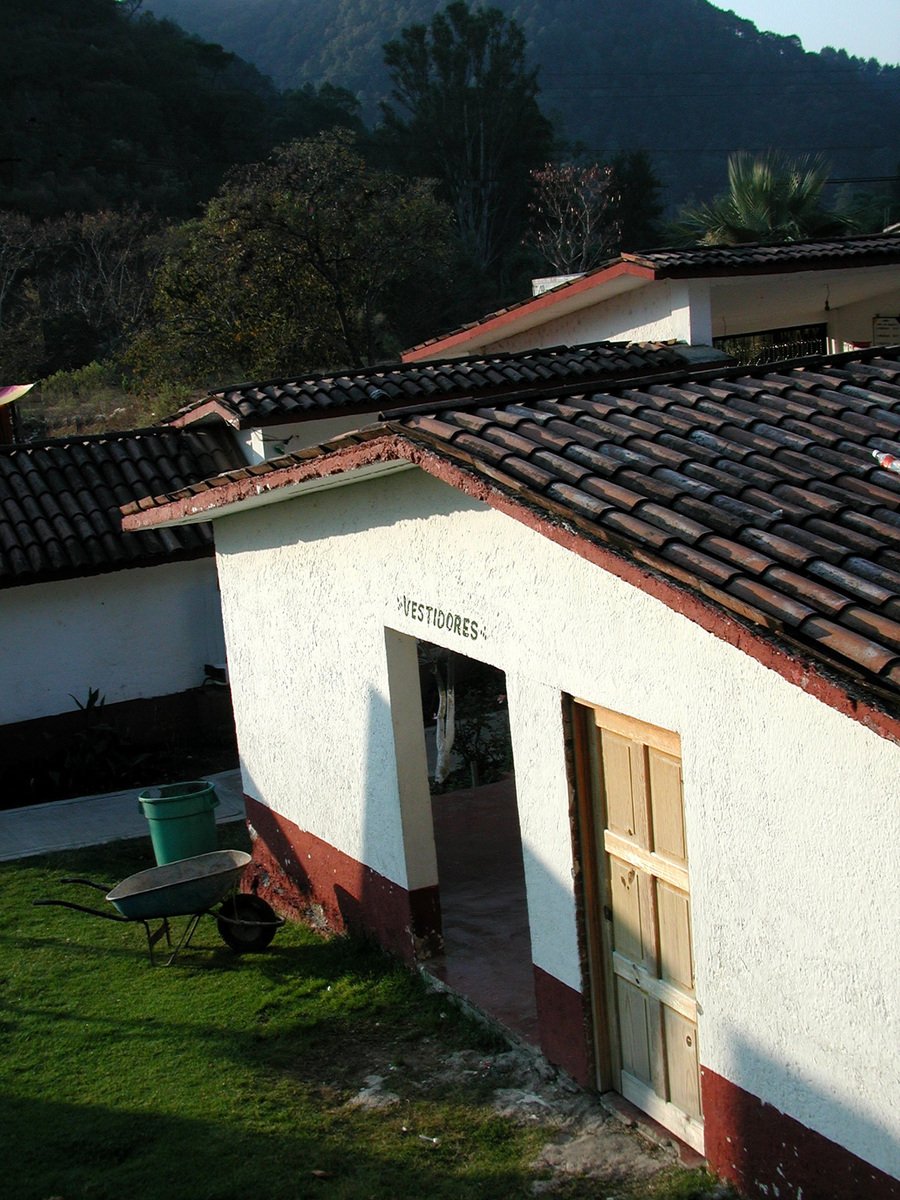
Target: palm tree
x,y
770,198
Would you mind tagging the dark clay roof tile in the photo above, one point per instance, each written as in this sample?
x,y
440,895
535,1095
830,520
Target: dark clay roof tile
x,y
743,558
880,627
771,601
60,506
810,591
847,644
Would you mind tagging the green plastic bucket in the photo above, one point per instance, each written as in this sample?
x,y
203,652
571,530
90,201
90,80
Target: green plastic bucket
x,y
181,818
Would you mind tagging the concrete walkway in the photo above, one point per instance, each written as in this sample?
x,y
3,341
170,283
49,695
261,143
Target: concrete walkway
x,y
93,820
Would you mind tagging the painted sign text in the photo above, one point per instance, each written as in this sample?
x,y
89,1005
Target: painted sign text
x,y
440,618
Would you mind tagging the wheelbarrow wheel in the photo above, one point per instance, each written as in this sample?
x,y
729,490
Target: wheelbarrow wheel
x,y
247,922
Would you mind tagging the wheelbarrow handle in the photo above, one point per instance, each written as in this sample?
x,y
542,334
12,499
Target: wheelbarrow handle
x,y
95,912
100,887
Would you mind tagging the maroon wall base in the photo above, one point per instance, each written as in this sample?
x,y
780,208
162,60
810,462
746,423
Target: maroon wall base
x,y
565,1039
765,1153
317,882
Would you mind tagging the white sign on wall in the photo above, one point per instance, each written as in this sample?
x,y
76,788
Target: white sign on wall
x,y
886,331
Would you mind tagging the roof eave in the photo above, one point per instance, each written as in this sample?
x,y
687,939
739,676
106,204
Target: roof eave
x,y
355,463
602,284
205,412
393,450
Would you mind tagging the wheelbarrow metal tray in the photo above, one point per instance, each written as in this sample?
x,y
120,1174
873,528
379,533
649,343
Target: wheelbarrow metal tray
x,y
191,885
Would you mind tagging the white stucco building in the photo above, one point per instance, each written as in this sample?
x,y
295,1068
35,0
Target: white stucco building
x,y
828,295
84,608
692,588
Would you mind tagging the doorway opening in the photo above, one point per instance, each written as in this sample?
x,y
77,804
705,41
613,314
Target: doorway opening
x,y
481,878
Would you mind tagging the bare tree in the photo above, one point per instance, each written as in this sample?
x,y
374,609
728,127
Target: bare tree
x,y
17,253
574,215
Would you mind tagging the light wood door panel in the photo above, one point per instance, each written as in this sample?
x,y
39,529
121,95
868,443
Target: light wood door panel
x,y
639,807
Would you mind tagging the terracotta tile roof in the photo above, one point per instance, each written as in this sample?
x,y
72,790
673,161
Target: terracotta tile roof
x,y
874,249
755,491
60,500
379,388
695,262
758,491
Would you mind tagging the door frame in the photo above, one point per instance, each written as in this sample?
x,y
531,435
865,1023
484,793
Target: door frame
x,y
592,866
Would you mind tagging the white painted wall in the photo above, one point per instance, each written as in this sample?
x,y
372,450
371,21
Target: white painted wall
x,y
133,634
668,310
273,441
790,807
695,311
853,324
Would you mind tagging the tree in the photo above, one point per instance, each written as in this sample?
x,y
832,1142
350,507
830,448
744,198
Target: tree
x,y
103,106
470,119
636,204
298,263
873,208
581,215
21,343
304,112
771,198
94,279
573,220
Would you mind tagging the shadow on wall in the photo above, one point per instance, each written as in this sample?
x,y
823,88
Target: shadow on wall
x,y
306,877
396,831
766,1153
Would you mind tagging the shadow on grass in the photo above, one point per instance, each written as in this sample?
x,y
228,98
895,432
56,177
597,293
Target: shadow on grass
x,y
104,1153
116,1072
324,992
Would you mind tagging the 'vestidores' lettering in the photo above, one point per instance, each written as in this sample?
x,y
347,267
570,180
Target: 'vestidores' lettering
x,y
440,618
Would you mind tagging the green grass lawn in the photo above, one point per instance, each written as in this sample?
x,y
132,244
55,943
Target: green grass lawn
x,y
224,1077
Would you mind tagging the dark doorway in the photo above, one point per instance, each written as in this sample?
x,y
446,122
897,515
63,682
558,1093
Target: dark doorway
x,y
487,944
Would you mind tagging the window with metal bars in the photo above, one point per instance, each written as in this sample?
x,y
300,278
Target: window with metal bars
x,y
774,345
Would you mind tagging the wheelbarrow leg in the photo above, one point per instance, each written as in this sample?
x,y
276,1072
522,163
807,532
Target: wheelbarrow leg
x,y
154,935
185,939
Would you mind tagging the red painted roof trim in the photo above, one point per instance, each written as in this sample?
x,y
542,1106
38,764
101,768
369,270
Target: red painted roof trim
x,y
212,407
649,267
393,446
534,305
227,490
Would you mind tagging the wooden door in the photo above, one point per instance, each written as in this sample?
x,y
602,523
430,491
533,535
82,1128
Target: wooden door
x,y
639,916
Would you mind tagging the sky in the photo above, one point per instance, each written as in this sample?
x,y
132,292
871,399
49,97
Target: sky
x,y
867,28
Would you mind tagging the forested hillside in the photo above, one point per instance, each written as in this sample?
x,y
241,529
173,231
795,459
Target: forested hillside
x,y
681,79
172,218
104,106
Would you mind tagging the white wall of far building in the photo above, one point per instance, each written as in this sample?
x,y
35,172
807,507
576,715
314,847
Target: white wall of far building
x,y
698,310
132,634
273,441
670,310
853,325
790,807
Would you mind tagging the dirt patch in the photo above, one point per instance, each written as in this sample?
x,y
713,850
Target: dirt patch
x,y
585,1140
586,1147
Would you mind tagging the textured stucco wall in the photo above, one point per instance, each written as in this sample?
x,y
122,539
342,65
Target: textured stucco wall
x,y
133,634
669,310
790,807
854,322
272,441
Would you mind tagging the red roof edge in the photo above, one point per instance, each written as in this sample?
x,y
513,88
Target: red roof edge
x,y
224,490
212,407
393,446
536,304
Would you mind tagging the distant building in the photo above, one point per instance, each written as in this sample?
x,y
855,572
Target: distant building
x,y
757,303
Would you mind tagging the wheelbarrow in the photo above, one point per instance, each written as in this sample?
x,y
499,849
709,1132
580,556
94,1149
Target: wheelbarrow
x,y
191,887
